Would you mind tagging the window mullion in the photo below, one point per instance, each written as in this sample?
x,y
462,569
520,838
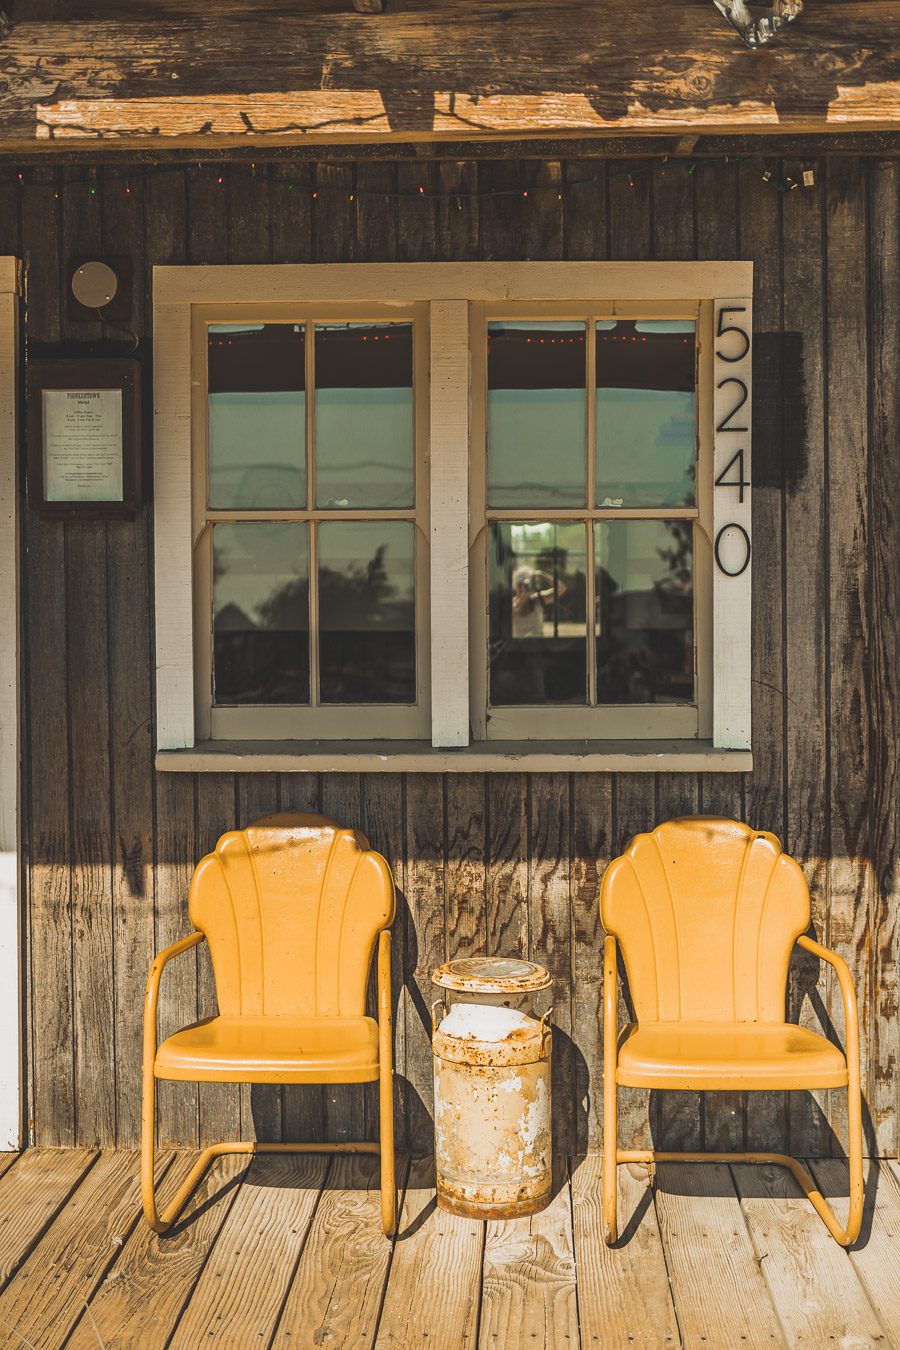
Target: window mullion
x,y
590,348
449,522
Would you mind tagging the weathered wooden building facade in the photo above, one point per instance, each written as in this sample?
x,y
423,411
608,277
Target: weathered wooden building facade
x,y
490,852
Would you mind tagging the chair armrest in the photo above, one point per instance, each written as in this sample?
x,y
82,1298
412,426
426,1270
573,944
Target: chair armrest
x,y
152,996
848,993
610,1007
384,976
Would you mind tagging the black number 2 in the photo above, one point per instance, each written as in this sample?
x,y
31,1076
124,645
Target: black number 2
x,y
725,424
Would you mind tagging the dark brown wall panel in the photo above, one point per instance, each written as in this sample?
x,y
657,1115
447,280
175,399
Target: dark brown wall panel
x,y
483,862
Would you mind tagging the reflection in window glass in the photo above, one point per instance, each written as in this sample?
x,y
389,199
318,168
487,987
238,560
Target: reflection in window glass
x,y
646,422
538,648
536,414
257,416
260,613
645,611
367,645
364,415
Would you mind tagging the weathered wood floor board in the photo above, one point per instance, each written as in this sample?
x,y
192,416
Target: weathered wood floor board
x,y
720,1295
339,1283
32,1193
876,1258
624,1297
811,1280
288,1252
528,1293
435,1283
243,1285
139,1302
47,1294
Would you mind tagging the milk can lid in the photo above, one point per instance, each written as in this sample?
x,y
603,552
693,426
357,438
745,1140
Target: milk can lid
x,y
491,975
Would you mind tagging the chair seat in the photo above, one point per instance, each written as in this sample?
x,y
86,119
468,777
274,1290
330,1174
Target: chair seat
x,y
272,1050
727,1056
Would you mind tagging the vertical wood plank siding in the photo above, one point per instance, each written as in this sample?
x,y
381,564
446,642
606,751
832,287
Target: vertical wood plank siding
x,y
483,862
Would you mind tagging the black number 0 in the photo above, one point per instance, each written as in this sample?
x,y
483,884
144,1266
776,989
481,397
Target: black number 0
x,y
723,329
733,525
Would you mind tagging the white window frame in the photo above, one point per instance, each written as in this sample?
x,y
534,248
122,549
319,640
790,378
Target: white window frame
x,y
453,292
313,720
11,959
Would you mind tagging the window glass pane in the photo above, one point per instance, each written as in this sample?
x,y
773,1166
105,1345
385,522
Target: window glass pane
x,y
536,414
646,424
260,613
538,649
645,611
364,415
257,416
367,640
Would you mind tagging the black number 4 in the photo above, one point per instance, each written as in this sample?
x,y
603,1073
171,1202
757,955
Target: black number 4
x,y
740,482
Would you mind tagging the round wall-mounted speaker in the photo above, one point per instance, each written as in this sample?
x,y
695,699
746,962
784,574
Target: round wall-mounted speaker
x,y
94,284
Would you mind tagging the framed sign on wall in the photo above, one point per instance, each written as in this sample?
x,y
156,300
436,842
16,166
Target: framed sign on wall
x,y
84,437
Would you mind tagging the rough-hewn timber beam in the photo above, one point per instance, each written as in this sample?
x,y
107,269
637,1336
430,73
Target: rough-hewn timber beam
x,y
368,6
459,71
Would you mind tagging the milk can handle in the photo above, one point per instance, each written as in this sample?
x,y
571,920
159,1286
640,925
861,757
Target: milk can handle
x,y
438,1003
545,1030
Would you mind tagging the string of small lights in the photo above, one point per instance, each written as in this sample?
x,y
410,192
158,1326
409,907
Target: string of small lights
x,y
129,181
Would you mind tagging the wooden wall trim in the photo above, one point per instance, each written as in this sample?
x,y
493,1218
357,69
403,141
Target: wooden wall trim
x,y
449,501
11,1112
451,70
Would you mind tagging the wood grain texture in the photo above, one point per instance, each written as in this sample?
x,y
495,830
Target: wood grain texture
x,y
239,1295
874,1256
766,794
806,585
141,1298
426,948
434,1290
550,936
474,869
131,663
591,853
624,1297
45,1297
421,74
803,1263
850,873
337,1288
31,1195
528,1295
719,1292
884,571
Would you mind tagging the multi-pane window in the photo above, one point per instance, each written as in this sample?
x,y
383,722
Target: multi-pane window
x,y
310,542
586,459
454,504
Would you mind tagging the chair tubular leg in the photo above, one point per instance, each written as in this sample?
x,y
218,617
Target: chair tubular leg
x,y
844,1234
162,1221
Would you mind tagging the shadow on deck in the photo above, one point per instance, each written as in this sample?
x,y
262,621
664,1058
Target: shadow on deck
x,y
287,1251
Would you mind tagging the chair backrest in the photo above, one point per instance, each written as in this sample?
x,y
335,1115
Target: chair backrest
x,y
706,912
291,908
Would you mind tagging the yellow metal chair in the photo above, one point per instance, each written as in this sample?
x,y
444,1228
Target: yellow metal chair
x,y
707,912
291,908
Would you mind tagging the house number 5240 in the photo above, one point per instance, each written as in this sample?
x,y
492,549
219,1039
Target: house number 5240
x,y
731,508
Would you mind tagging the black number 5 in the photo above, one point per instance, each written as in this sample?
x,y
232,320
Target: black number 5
x,y
723,329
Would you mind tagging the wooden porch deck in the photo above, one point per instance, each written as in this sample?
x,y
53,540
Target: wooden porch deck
x,y
287,1252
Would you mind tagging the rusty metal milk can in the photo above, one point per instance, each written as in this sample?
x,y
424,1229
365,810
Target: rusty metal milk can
x,y
491,1088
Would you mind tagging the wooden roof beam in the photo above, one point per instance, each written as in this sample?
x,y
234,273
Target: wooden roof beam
x,y
452,72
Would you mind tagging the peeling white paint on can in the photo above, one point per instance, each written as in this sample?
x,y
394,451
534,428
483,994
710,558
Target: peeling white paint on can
x,y
493,1140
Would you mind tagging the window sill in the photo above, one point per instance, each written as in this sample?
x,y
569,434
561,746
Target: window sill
x,y
480,757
